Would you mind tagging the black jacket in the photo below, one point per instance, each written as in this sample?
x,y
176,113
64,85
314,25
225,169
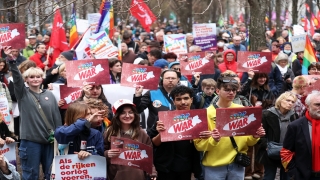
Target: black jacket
x,y
296,67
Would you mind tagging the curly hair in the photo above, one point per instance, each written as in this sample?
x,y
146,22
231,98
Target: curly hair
x,y
98,104
181,90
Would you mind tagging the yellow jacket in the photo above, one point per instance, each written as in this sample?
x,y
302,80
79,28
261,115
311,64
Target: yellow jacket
x,y
221,153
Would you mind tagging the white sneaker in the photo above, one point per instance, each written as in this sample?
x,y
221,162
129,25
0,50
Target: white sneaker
x,y
248,177
257,176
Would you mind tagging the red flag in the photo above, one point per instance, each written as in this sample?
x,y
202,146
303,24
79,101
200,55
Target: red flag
x,y
231,21
241,18
142,12
58,40
308,25
307,7
315,21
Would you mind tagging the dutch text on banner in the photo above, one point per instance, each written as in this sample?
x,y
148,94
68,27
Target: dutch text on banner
x,y
257,61
183,124
4,108
139,75
93,20
69,94
175,43
71,167
93,71
205,36
201,62
12,35
298,43
9,151
101,46
238,121
132,153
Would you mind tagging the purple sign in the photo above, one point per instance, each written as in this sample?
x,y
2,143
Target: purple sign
x,y
208,43
205,36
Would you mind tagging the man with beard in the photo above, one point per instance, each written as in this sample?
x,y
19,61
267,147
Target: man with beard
x,y
301,153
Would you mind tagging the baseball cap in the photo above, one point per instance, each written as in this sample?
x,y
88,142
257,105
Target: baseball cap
x,y
120,103
161,63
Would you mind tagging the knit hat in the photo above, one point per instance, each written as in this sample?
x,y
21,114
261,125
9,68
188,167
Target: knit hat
x,y
161,63
68,54
120,103
173,63
281,56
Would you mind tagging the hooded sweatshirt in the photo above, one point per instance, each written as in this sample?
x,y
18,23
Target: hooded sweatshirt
x,y
229,65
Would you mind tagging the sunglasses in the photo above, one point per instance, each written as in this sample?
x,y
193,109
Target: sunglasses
x,y
230,80
31,77
228,75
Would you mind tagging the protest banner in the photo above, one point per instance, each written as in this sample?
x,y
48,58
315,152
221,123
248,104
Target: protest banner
x,y
4,108
183,124
257,61
192,63
71,167
132,153
13,35
92,71
93,20
205,36
101,46
69,94
139,75
175,43
312,78
9,151
238,121
298,43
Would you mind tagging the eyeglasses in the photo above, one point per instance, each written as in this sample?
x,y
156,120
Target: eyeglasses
x,y
31,77
176,69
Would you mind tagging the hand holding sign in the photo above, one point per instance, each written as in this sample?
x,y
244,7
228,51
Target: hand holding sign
x,y
138,91
160,126
205,134
82,154
9,140
113,153
260,132
216,135
2,142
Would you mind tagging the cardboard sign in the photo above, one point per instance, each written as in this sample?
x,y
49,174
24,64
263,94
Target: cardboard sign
x,y
92,71
134,75
257,61
197,62
175,43
132,153
69,94
13,35
9,151
183,124
71,167
93,20
205,36
298,43
238,121
101,46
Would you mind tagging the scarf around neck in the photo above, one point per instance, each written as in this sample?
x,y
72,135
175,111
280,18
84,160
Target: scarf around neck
x,y
315,144
283,70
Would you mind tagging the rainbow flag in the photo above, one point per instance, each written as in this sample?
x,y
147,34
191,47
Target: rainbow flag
x,y
309,56
104,21
74,36
119,48
290,35
111,27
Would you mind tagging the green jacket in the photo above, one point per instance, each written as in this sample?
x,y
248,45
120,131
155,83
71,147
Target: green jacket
x,y
28,51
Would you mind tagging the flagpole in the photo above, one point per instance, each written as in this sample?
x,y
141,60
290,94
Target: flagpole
x,y
78,41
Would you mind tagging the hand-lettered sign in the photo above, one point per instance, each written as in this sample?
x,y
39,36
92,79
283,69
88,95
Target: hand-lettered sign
x,y
138,75
69,94
298,43
197,63
12,35
257,61
175,43
101,46
71,167
205,36
183,124
132,153
92,71
9,151
238,121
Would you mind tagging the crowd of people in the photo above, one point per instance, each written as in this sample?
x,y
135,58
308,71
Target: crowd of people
x,y
290,113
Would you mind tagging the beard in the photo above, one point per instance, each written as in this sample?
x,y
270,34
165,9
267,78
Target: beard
x,y
315,114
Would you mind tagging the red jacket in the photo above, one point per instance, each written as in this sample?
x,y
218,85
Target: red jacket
x,y
229,65
37,59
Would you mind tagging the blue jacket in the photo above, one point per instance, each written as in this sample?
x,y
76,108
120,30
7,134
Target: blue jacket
x,y
197,100
242,47
66,135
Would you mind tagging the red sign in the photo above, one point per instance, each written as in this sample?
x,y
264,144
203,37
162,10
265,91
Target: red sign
x,y
132,153
133,75
192,63
69,94
238,121
83,72
13,35
257,61
183,124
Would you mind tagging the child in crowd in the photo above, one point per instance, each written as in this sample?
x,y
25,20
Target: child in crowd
x,y
204,98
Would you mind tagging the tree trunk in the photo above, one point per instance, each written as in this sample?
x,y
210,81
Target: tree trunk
x,y
278,20
294,11
270,14
258,9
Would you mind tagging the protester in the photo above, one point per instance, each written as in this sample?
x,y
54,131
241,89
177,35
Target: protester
x,y
230,62
314,68
297,64
218,60
7,170
189,40
127,39
101,122
126,124
300,152
115,67
161,63
275,48
154,55
41,58
46,40
183,79
237,46
287,49
170,57
127,55
286,73
194,49
299,85
203,99
16,53
4,71
221,45
143,48
30,49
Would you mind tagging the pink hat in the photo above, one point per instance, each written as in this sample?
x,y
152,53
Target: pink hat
x,y
120,103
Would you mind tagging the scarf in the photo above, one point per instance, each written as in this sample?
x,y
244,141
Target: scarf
x,y
315,144
283,70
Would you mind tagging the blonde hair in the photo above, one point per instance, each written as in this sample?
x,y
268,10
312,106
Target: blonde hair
x,y
284,96
299,82
35,71
209,82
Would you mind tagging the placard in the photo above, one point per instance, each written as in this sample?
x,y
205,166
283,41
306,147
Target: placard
x,y
93,20
205,36
4,108
183,124
13,35
132,153
9,151
71,167
175,43
257,61
238,121
92,71
298,43
139,75
101,46
200,62
69,94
